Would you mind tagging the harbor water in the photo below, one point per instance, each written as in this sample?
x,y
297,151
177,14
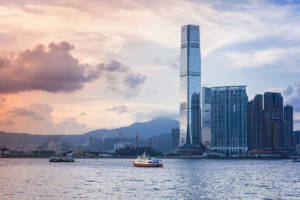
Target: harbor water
x,y
178,179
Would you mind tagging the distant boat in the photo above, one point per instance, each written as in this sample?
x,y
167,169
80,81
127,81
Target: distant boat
x,y
61,159
296,160
143,161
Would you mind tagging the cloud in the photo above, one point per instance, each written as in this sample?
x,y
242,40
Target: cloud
x,y
288,91
119,109
172,63
6,122
133,83
113,66
296,121
55,70
271,56
37,119
295,100
82,114
141,117
35,111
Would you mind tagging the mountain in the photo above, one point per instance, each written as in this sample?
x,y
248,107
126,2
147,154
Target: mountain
x,y
145,130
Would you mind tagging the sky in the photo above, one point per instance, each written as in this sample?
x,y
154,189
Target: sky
x,y
69,67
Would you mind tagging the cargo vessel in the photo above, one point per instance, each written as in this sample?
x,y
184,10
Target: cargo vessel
x,y
143,161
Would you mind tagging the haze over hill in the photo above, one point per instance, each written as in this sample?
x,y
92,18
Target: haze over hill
x,y
145,130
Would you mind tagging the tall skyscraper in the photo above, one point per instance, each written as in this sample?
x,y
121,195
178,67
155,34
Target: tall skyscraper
x,y
288,126
190,90
255,123
273,121
206,112
229,119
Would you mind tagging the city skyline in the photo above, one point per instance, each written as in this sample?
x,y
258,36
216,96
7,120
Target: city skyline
x,y
123,68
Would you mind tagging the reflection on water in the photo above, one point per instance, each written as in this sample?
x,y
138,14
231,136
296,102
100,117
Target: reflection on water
x,y
178,179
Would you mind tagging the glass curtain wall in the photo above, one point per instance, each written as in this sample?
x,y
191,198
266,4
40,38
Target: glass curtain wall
x,y
190,86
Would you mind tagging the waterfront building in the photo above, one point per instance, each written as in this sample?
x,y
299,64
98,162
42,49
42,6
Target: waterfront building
x,y
255,123
190,91
273,121
175,138
206,115
296,138
95,144
31,146
57,148
229,119
288,126
54,138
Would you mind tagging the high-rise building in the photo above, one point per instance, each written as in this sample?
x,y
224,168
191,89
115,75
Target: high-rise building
x,y
296,138
255,123
206,114
249,123
175,138
95,144
54,138
288,126
229,119
273,121
190,91
31,146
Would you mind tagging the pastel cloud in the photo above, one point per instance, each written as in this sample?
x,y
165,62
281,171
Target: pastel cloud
x,y
37,119
52,71
118,109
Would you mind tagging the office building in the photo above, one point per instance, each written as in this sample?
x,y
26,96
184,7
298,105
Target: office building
x,y
288,126
175,138
255,123
54,138
229,119
273,121
296,138
190,91
95,144
206,115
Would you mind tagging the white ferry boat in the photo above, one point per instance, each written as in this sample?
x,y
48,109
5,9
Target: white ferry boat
x,y
143,161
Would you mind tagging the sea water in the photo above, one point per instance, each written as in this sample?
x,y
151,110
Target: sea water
x,y
179,179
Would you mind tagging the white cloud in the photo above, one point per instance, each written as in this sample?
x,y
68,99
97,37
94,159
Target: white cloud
x,y
260,58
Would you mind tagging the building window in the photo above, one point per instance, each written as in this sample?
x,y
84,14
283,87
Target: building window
x,y
233,108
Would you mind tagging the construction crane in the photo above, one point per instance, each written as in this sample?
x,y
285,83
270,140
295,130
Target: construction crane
x,y
118,138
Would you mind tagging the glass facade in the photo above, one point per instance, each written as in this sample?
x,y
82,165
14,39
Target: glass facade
x,y
190,87
229,119
206,111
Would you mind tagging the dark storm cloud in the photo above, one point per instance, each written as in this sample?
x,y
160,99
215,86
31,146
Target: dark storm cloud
x,y
133,83
119,109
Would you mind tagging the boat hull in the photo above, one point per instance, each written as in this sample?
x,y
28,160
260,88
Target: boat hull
x,y
147,165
